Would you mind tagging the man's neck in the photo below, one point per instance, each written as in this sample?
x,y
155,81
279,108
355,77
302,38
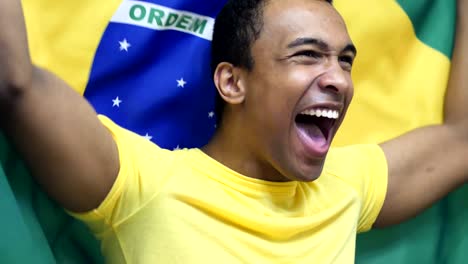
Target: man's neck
x,y
232,148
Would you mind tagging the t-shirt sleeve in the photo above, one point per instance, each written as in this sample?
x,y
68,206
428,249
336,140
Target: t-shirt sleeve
x,y
144,167
364,168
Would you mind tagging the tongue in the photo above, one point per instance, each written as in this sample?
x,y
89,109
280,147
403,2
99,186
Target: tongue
x,y
312,137
314,133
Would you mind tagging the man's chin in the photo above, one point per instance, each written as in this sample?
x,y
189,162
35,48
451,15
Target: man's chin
x,y
307,178
307,173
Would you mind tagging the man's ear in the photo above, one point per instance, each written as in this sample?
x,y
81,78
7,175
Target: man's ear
x,y
227,79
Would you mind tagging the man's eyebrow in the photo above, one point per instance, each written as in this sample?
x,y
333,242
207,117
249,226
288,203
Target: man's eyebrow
x,y
309,41
350,48
320,44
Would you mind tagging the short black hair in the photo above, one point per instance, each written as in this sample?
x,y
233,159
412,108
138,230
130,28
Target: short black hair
x,y
237,27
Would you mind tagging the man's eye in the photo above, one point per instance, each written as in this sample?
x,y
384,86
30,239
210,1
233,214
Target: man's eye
x,y
309,53
347,59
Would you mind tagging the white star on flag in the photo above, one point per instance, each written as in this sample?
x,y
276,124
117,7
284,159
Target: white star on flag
x,y
148,137
181,83
211,114
116,102
124,45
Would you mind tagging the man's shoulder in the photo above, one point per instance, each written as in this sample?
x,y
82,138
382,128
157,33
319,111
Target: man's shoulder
x,y
138,150
355,160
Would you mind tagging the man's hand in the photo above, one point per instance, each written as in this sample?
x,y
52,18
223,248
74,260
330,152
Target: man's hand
x,y
69,152
428,163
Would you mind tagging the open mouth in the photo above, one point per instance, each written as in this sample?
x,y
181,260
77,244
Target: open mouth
x,y
315,128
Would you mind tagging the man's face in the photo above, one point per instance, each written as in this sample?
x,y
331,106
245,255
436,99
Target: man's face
x,y
300,86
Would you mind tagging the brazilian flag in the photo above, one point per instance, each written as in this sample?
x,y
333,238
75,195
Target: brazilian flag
x,y
400,75
117,53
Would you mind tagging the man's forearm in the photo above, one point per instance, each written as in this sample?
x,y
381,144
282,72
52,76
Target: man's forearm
x,y
67,149
456,101
15,64
426,164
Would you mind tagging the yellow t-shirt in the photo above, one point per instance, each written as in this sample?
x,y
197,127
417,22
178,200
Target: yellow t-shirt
x,y
185,207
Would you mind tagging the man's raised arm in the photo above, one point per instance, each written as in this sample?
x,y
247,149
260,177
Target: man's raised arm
x,y
426,164
69,152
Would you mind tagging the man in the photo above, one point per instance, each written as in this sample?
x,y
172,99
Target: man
x,y
253,194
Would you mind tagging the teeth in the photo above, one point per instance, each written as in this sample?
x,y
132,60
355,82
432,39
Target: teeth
x,y
332,114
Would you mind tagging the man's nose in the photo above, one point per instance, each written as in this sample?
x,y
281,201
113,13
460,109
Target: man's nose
x,y
335,78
